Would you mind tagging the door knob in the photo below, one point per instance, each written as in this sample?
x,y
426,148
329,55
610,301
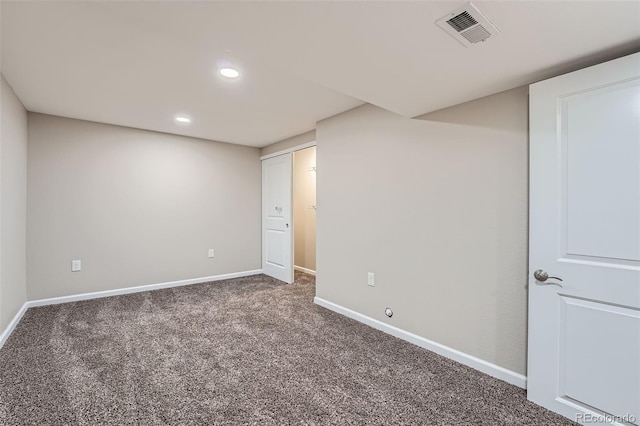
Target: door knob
x,y
541,275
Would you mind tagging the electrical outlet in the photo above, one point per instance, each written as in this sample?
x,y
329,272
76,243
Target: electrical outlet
x,y
76,265
371,279
212,253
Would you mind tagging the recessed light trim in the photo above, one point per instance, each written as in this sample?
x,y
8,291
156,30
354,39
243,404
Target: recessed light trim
x,y
182,119
229,72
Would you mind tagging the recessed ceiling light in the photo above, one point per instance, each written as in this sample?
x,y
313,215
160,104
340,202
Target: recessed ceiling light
x,y
182,119
229,72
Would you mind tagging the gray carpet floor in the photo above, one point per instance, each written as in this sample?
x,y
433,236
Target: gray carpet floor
x,y
241,351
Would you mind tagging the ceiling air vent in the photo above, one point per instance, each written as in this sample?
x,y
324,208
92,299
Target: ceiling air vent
x,y
468,25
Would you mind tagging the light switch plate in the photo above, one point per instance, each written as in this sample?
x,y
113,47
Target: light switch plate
x,y
76,265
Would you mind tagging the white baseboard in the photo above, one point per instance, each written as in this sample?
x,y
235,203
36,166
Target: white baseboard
x,y
138,289
454,354
12,325
305,270
99,294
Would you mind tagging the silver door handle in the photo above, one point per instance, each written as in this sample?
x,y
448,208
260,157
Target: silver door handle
x,y
541,275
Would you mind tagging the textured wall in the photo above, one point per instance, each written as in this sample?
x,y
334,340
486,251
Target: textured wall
x,y
304,217
137,207
437,208
13,204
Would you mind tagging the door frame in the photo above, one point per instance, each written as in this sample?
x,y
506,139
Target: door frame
x,y
288,150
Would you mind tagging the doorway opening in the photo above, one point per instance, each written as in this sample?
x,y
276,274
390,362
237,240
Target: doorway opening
x,y
304,210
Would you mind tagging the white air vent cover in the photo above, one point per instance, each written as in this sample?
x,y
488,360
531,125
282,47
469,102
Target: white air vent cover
x,y
468,25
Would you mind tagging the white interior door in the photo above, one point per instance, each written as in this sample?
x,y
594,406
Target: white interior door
x,y
584,331
277,240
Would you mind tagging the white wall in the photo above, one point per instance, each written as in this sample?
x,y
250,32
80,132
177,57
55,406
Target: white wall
x,y
137,207
437,208
304,217
13,204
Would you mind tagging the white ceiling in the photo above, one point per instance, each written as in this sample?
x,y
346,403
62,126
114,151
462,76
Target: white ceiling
x,y
139,64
